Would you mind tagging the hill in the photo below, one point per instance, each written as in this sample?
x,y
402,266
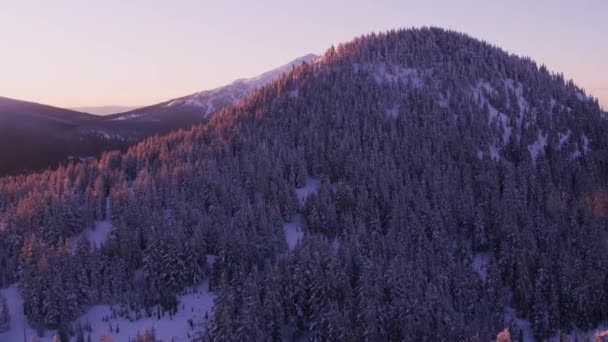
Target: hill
x,y
35,136
411,185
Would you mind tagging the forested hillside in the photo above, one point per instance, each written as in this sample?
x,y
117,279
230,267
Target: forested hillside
x,y
453,182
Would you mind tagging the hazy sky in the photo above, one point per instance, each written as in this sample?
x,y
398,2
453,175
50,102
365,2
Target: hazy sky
x,y
134,52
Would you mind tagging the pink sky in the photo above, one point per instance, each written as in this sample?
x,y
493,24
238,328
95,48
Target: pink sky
x,y
74,53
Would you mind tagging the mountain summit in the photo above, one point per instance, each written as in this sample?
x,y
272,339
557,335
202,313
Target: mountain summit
x,y
414,185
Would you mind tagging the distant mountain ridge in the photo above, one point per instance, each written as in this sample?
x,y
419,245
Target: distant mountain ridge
x,y
35,136
104,110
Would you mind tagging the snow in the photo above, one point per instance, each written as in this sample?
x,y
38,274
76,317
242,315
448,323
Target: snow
x,y
494,153
580,96
564,137
273,74
233,92
392,74
585,144
444,100
210,258
127,117
108,135
483,87
479,91
585,148
18,325
311,186
193,306
393,111
538,146
293,232
524,325
495,115
97,235
519,92
295,93
335,245
480,264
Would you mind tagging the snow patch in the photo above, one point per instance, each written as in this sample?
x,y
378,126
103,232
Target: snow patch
x,y
391,74
293,232
295,93
482,90
18,325
494,152
311,186
210,258
127,117
480,264
564,137
582,150
495,115
444,101
580,96
193,306
335,245
538,146
524,325
585,144
393,111
96,235
519,92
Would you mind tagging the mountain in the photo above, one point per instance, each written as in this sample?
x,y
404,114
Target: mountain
x,y
414,185
183,111
34,136
103,110
47,135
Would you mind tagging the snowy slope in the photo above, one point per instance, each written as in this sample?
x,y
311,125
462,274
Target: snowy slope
x,y
294,230
194,306
207,102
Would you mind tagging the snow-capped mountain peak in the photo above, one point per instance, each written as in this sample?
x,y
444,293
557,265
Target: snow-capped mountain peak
x,y
210,101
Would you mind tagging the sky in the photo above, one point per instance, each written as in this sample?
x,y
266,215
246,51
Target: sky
x,y
74,53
